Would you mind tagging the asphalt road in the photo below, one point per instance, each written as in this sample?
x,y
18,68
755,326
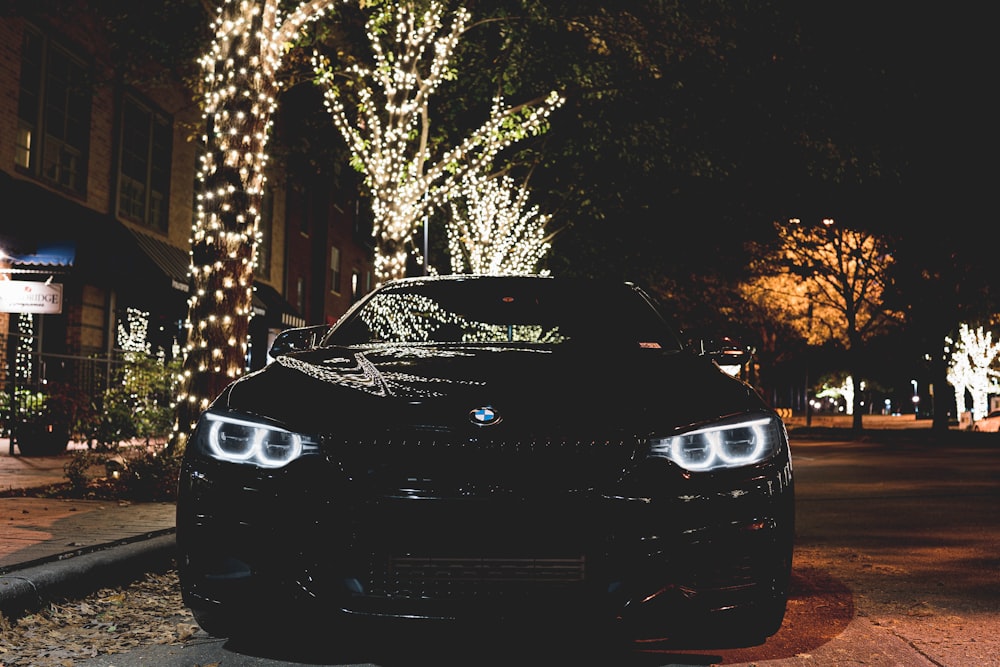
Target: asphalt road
x,y
897,564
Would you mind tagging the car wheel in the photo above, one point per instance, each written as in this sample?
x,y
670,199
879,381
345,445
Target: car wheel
x,y
768,615
216,623
748,627
772,615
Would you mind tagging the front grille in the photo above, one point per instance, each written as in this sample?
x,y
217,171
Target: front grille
x,y
469,467
463,577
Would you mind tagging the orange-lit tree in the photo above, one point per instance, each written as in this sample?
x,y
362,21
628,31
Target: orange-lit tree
x,y
240,84
828,282
387,126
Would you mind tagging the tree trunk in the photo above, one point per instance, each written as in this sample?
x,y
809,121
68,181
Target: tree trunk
x,y
229,194
939,404
856,415
390,261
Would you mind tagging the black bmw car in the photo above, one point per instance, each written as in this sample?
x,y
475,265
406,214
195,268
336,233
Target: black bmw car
x,y
487,447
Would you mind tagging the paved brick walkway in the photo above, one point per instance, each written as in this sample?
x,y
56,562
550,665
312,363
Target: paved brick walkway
x,y
38,529
34,530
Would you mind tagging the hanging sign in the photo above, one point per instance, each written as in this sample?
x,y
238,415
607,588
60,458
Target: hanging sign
x,y
23,296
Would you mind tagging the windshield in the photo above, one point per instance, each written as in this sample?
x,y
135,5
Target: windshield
x,y
506,310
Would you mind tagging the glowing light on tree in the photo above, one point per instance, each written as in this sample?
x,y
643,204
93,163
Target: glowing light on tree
x,y
388,129
133,332
971,368
844,390
959,370
239,91
491,232
25,349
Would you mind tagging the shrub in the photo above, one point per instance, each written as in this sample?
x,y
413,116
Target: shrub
x,y
139,404
130,472
145,473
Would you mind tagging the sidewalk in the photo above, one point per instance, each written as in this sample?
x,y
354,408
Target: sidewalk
x,y
51,548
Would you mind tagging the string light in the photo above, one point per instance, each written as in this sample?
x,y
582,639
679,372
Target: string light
x,y
25,346
490,232
387,136
133,331
240,90
970,368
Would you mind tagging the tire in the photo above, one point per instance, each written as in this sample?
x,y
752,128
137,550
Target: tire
x,y
216,623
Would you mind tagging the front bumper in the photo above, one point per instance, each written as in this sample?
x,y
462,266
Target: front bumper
x,y
656,552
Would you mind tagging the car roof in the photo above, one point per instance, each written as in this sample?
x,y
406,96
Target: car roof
x,y
512,277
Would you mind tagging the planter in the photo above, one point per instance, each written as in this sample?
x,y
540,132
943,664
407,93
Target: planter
x,y
42,439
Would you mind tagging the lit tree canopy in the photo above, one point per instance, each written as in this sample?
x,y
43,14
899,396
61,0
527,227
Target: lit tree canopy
x,y
959,375
829,282
844,390
491,230
971,368
388,128
239,89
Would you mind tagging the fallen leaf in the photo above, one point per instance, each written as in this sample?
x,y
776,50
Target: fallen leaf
x,y
186,630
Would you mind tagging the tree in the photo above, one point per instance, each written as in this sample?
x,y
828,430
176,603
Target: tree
x,y
491,231
240,87
843,389
971,368
389,128
942,280
828,282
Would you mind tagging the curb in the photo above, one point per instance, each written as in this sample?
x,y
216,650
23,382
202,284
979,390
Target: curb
x,y
29,589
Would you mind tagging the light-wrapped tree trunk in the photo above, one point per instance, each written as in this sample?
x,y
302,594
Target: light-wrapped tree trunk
x,y
240,90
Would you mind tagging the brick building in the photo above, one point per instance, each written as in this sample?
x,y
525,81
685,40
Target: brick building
x,y
98,181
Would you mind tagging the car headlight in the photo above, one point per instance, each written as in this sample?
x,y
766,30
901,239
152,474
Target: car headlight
x,y
245,440
733,442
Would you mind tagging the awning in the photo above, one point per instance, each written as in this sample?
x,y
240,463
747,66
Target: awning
x,y
53,253
143,270
41,232
173,261
52,234
269,303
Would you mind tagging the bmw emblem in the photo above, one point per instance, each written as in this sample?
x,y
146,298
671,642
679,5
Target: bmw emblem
x,y
484,416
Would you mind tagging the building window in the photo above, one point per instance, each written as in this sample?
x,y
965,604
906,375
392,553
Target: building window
x,y
53,114
300,294
262,269
355,286
144,165
335,269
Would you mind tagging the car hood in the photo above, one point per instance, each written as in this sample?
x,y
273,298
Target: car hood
x,y
530,388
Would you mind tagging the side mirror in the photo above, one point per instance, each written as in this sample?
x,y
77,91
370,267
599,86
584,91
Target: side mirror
x,y
727,352
297,339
